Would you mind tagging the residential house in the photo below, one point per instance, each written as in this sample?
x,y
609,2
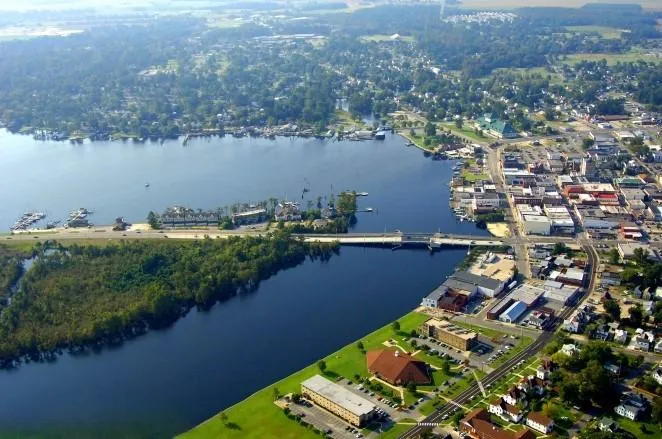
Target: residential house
x,y
607,424
620,336
657,374
532,385
632,406
643,340
505,411
477,425
513,396
570,349
538,421
658,346
545,369
288,211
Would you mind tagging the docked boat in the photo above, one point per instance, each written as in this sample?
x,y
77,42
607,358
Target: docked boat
x,y
380,135
368,209
362,194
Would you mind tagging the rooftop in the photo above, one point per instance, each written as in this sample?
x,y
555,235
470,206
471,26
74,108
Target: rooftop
x,y
339,395
447,326
474,279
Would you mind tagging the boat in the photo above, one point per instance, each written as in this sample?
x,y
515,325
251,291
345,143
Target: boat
x,y
146,184
362,194
368,209
380,135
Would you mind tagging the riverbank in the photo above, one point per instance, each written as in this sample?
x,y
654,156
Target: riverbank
x,y
258,417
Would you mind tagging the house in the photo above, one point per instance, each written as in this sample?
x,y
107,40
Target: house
x,y
602,333
532,384
657,374
477,425
545,369
658,346
642,340
607,424
569,349
538,421
620,336
513,396
632,406
288,211
397,368
613,369
507,412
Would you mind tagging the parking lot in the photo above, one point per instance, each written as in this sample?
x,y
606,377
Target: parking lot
x,y
389,413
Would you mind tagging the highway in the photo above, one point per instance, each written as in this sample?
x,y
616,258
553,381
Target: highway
x,y
503,370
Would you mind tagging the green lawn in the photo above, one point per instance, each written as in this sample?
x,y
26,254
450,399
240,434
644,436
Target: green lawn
x,y
464,131
634,427
612,58
258,417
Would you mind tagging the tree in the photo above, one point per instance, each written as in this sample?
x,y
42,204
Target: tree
x,y
430,129
360,346
411,388
395,326
614,256
153,220
275,393
640,256
636,316
550,114
457,417
296,398
587,143
445,367
656,413
458,123
612,308
321,365
223,418
560,248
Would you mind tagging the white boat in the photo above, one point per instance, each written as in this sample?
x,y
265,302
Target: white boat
x,y
369,209
362,194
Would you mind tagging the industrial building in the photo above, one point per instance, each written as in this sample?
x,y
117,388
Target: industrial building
x,y
338,400
449,333
566,294
513,312
484,285
526,293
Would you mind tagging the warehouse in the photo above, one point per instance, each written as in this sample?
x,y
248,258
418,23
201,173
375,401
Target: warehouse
x,y
338,400
566,294
513,313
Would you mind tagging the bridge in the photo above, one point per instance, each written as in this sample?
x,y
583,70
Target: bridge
x,y
401,239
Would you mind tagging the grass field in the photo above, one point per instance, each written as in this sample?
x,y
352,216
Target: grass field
x,y
612,58
464,131
609,33
258,417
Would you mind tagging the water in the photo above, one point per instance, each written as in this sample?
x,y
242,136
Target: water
x,y
408,192
168,381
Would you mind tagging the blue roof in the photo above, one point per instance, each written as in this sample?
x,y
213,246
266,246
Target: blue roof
x,y
514,311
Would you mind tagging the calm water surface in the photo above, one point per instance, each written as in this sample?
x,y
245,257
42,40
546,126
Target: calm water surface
x,y
168,381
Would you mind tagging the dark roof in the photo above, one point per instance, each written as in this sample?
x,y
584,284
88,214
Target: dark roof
x,y
475,279
438,293
397,367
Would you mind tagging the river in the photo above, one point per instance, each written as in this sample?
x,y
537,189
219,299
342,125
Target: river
x,y
167,381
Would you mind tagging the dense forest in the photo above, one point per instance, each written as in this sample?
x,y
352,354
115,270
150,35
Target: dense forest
x,y
86,296
176,75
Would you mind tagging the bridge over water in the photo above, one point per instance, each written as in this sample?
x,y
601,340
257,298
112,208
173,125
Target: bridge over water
x,y
430,240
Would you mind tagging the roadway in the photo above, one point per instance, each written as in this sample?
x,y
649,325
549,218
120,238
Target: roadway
x,y
503,370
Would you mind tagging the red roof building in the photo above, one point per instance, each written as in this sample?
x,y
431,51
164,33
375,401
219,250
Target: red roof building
x,y
477,425
397,368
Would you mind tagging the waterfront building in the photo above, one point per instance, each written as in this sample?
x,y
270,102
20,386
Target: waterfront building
x,y
449,333
432,299
252,216
487,286
338,400
397,368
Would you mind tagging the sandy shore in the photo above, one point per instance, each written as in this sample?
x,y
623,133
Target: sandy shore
x,y
500,230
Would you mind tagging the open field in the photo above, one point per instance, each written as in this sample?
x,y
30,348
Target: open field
x,y
613,58
609,33
258,417
464,132
506,4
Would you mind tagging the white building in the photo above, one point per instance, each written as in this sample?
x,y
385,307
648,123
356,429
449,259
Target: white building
x,y
632,406
620,336
505,411
539,422
569,349
536,225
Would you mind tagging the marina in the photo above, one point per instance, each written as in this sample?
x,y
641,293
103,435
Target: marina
x,y
26,220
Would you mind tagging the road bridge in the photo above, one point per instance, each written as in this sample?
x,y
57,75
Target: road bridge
x,y
396,240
